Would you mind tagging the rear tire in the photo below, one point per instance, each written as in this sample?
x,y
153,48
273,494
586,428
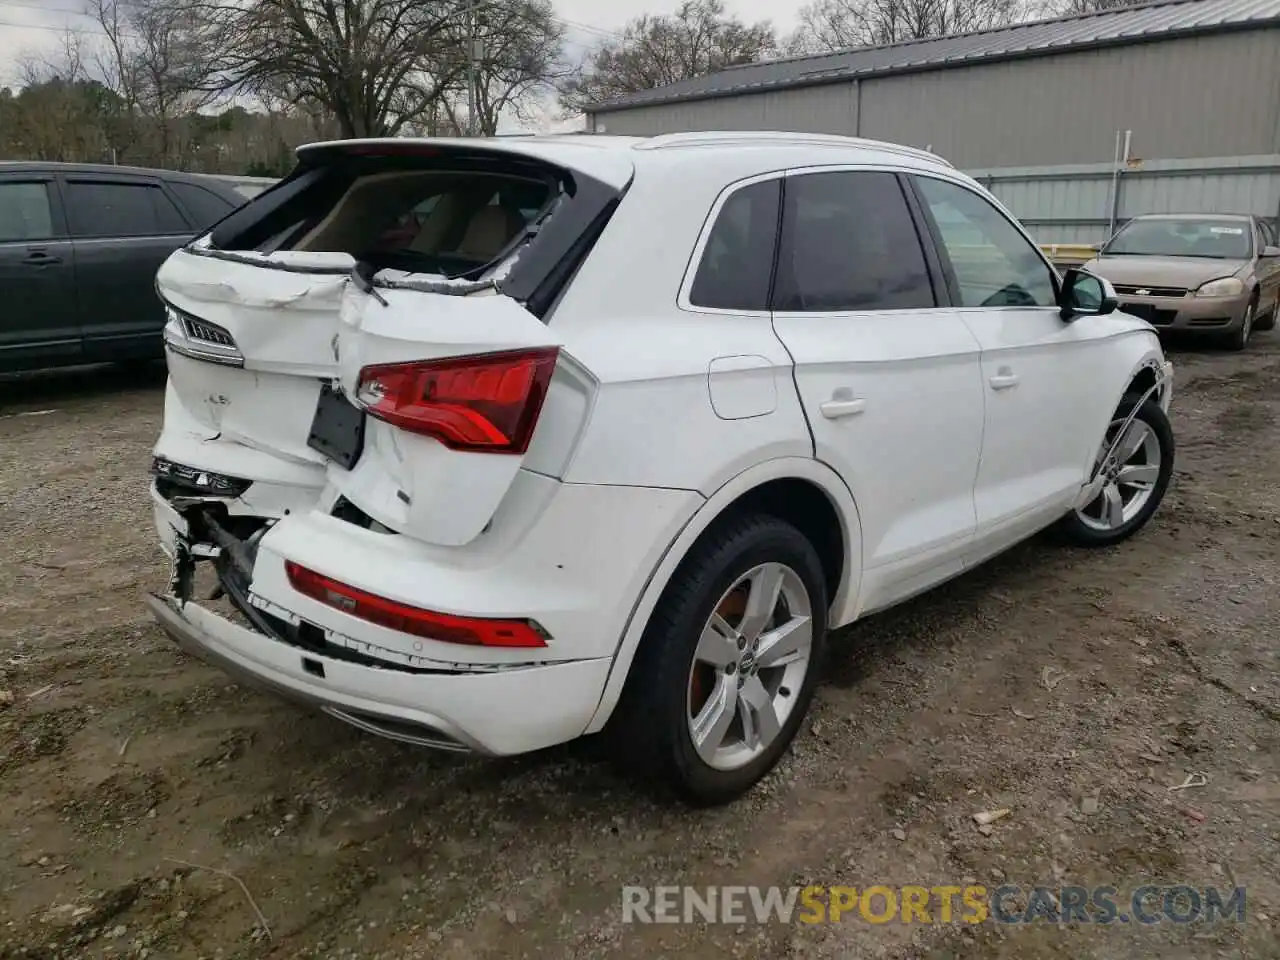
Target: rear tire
x,y
701,657
1142,470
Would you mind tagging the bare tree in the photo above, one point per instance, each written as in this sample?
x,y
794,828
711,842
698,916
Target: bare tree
x,y
66,63
1065,8
518,57
654,51
376,65
57,115
152,56
830,25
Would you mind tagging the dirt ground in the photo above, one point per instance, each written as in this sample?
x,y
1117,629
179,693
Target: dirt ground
x,y
140,788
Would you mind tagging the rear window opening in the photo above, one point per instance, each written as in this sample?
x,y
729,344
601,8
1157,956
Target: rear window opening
x,y
450,223
443,212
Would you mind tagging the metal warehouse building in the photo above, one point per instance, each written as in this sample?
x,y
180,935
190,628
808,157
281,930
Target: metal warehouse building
x,y
1038,111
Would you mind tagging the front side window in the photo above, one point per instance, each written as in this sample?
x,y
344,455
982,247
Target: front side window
x,y
737,261
24,212
993,263
1182,237
849,244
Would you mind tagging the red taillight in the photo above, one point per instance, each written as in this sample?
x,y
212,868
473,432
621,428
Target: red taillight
x,y
488,402
445,627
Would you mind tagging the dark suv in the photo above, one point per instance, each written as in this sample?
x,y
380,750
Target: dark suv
x,y
79,248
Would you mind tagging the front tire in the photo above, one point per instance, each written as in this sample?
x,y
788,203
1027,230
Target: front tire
x,y
1238,339
1136,478
727,665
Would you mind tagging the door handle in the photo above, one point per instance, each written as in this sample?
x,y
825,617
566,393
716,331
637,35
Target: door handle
x,y
1003,380
835,409
39,258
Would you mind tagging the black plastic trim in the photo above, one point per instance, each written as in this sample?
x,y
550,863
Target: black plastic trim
x,y
940,277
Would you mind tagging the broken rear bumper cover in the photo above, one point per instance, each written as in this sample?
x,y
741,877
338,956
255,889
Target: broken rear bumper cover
x,y
496,713
579,586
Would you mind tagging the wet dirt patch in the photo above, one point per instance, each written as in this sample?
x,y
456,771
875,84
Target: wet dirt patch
x,y
38,736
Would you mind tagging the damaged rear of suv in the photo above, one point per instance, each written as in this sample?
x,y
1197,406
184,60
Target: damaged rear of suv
x,y
361,376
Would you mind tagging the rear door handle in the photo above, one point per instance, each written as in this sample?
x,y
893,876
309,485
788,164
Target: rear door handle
x,y
835,409
39,258
1003,381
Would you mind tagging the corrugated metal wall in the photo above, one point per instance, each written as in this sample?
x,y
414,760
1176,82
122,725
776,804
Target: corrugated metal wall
x,y
1200,97
1208,96
1073,204
829,109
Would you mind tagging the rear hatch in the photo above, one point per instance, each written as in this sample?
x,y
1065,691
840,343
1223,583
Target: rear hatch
x,y
378,321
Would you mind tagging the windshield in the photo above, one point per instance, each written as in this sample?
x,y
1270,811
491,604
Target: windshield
x,y
1216,239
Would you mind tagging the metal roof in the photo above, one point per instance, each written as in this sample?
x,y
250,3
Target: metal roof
x,y
1165,19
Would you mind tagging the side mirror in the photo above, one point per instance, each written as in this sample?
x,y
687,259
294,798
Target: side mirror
x,y
1085,294
1269,252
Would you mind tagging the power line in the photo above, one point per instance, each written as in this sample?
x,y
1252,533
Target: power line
x,y
599,31
66,28
41,6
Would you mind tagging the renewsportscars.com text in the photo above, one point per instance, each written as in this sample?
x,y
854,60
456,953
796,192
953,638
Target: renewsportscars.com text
x,y
1008,904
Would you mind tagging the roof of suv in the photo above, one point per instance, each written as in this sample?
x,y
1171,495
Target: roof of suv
x,y
614,157
1194,216
711,139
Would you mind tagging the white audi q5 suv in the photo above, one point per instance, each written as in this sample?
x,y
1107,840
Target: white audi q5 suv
x,y
491,444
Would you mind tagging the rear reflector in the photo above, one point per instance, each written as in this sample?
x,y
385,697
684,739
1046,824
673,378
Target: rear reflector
x,y
486,403
445,627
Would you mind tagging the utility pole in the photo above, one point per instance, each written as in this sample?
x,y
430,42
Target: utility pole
x,y
471,71
475,54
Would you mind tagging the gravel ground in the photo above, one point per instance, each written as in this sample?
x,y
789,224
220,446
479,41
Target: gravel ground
x,y
142,788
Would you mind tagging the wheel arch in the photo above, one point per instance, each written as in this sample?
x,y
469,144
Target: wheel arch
x,y
1146,367
1145,375
803,491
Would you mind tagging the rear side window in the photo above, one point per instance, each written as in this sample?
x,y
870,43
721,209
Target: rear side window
x,y
737,261
849,243
105,209
25,213
205,207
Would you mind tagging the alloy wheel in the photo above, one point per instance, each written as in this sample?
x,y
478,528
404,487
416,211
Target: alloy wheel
x,y
749,666
1128,477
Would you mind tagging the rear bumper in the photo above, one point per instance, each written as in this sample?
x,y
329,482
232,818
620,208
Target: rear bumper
x,y
497,713
573,557
1188,314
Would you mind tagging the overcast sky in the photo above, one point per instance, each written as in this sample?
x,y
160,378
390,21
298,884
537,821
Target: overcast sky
x,y
28,26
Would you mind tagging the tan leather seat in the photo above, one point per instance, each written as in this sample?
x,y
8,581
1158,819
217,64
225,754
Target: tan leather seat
x,y
489,231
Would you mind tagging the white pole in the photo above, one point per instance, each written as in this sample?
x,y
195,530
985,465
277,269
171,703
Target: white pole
x,y
1115,183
